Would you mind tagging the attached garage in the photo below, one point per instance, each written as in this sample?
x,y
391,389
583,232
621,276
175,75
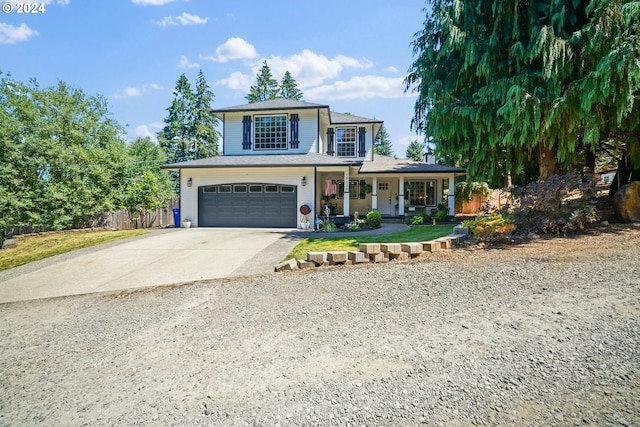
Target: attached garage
x,y
247,205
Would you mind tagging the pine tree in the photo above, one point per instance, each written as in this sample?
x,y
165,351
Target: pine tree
x,y
205,135
175,137
415,151
503,85
382,144
266,87
190,132
289,88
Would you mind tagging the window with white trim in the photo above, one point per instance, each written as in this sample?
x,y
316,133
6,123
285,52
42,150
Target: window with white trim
x,y
420,193
346,142
270,132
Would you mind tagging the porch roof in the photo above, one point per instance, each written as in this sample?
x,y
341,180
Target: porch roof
x,y
388,165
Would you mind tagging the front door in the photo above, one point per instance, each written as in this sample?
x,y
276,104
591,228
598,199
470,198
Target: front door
x,y
385,201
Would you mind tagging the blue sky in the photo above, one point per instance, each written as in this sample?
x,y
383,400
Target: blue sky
x,y
350,54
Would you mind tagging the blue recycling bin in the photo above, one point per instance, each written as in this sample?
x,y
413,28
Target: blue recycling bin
x,y
176,217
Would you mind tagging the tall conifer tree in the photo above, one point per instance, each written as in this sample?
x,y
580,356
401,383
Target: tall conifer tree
x,y
289,88
503,84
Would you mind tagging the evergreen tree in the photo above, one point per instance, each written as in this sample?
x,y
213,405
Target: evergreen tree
x,y
176,137
415,151
266,87
289,88
382,144
205,134
503,84
190,131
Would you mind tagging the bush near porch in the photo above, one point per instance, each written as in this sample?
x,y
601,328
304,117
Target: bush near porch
x,y
352,243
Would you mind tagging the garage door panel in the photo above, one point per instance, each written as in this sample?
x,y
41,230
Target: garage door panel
x,y
247,205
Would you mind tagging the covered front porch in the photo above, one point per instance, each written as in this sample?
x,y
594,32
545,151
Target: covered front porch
x,y
394,192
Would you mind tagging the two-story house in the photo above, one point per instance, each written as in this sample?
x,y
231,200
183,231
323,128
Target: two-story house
x,y
281,155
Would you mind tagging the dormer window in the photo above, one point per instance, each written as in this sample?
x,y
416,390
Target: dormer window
x,y
346,142
271,132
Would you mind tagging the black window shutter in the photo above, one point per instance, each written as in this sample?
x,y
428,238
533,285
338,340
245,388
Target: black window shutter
x,y
361,134
330,141
294,141
246,132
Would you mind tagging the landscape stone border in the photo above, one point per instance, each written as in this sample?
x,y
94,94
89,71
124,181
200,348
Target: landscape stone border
x,y
373,252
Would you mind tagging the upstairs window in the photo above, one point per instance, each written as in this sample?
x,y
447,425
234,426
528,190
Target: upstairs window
x,y
346,142
271,132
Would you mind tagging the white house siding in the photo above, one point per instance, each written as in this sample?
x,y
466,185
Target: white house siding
x,y
215,176
307,133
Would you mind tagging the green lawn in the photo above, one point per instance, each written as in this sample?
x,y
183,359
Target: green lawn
x,y
351,242
35,248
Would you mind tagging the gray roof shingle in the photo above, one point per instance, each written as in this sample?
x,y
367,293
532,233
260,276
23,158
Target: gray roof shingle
x,y
380,165
343,119
386,164
266,160
273,104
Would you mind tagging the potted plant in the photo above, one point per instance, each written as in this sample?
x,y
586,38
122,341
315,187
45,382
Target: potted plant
x,y
304,222
186,222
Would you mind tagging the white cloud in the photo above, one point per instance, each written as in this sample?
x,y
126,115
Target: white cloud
x,y
359,87
131,91
11,35
233,48
237,81
150,131
311,69
151,2
184,19
184,63
391,69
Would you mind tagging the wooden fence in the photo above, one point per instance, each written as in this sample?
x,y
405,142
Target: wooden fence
x,y
495,201
124,220
120,220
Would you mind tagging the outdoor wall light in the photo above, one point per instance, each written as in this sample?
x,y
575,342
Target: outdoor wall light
x,y
189,182
304,181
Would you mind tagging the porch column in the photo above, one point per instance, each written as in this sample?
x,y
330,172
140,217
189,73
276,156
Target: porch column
x,y
374,194
346,192
452,197
401,196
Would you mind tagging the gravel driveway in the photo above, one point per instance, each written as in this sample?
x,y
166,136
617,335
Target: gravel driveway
x,y
544,334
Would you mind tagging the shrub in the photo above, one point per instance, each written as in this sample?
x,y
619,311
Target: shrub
x,y
555,205
441,215
327,226
417,220
490,228
374,218
354,227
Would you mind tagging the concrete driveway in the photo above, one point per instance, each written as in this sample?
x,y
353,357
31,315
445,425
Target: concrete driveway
x,y
163,257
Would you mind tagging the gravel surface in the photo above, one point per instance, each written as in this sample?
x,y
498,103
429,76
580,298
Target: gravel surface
x,y
546,334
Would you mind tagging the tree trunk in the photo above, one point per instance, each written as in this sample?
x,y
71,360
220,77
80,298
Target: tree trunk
x,y
547,160
590,160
